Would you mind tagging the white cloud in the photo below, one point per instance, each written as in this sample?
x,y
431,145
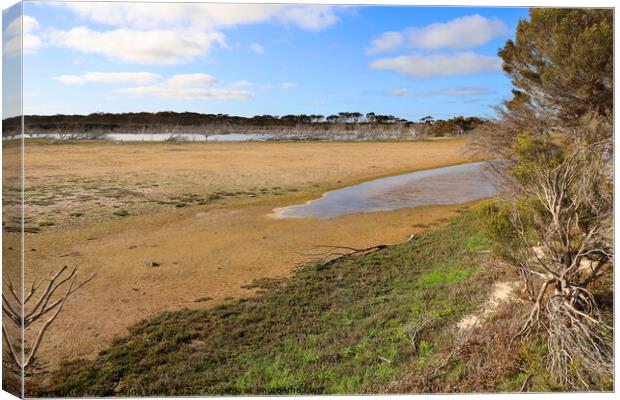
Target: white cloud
x,y
189,87
257,48
18,36
160,47
288,85
31,43
311,18
173,33
173,15
202,16
185,80
458,34
25,23
388,41
140,78
452,92
419,66
12,47
242,84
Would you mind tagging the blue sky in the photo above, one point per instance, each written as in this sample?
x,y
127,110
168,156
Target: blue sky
x,y
262,59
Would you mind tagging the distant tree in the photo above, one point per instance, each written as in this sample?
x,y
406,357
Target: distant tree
x,y
290,119
428,120
384,119
316,118
355,117
96,124
343,117
453,127
332,119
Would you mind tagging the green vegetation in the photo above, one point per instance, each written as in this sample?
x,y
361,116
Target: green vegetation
x,y
561,64
341,329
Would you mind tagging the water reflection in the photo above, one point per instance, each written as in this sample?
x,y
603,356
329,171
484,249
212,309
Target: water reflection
x,y
449,185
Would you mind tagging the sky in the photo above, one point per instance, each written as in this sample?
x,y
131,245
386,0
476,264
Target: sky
x,y
255,59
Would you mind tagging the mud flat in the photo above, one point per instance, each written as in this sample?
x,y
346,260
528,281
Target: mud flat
x,y
172,226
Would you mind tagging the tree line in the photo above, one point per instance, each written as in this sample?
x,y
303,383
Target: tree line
x,y
191,122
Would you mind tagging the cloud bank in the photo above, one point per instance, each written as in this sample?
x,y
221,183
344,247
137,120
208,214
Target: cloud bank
x,y
152,47
174,33
458,34
421,66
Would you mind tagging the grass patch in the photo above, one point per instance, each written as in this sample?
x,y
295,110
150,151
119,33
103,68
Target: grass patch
x,y
342,329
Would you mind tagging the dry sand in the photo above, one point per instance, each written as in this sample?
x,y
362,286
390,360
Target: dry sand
x,y
203,251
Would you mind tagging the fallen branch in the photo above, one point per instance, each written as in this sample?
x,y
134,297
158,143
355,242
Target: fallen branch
x,y
337,253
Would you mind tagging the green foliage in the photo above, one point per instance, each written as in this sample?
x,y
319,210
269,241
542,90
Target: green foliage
x,y
562,60
534,153
495,216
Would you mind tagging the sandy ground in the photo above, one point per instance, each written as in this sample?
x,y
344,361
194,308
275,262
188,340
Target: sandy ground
x,y
502,292
206,251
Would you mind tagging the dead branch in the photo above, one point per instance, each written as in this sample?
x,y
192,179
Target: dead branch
x,y
336,253
570,220
48,304
438,369
415,329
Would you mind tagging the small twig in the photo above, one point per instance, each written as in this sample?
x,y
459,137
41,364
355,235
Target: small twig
x,y
525,382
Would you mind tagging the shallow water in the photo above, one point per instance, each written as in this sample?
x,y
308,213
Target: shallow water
x,y
439,186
